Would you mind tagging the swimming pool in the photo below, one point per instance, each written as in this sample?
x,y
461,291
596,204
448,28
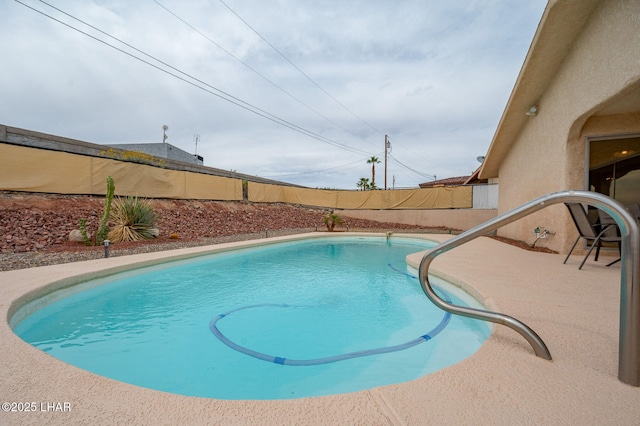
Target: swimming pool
x,y
303,300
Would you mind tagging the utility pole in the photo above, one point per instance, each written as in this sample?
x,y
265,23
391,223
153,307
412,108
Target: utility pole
x,y
387,145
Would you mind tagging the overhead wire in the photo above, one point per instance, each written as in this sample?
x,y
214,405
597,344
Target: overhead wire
x,y
315,171
398,162
426,175
395,160
298,68
395,142
277,86
362,160
212,89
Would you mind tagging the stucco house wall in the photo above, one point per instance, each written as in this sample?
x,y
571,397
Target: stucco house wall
x,y
592,91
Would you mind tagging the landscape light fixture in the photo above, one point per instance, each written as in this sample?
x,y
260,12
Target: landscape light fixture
x,y
533,111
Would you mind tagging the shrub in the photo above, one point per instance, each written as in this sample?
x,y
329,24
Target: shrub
x,y
103,227
331,220
133,219
83,231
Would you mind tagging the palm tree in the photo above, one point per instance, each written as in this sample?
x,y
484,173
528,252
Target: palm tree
x,y
363,184
373,161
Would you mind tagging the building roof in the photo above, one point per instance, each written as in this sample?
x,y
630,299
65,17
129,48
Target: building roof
x,y
458,180
559,26
475,178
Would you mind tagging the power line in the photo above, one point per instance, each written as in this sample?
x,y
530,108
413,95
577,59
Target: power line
x,y
395,160
253,69
420,157
213,90
314,171
221,94
299,70
407,167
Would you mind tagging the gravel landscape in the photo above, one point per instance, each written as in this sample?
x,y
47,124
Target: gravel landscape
x,y
34,228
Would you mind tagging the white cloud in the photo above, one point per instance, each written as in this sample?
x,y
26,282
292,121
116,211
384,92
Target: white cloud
x,y
434,76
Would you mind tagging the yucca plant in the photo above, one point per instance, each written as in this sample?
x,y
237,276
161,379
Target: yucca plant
x,y
133,219
331,220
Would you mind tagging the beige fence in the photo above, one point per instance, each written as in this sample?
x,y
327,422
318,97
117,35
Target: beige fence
x,y
39,170
458,197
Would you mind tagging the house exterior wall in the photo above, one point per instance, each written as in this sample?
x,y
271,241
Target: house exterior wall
x,y
548,155
618,124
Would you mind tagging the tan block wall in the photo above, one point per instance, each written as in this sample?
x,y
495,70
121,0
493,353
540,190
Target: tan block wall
x,y
462,219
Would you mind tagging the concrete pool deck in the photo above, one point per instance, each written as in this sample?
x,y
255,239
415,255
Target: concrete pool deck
x,y
575,312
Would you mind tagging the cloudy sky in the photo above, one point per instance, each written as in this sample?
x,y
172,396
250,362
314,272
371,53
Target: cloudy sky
x,y
301,91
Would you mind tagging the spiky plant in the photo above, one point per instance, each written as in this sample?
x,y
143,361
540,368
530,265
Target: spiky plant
x,y
83,232
103,228
134,219
331,220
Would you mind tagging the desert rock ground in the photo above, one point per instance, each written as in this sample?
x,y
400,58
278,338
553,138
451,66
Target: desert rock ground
x,y
34,227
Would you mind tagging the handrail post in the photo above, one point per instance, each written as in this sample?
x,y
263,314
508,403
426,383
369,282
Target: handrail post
x,y
629,337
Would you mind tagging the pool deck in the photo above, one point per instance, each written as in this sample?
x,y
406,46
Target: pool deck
x,y
575,312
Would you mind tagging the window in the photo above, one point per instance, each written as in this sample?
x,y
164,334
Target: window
x,y
614,169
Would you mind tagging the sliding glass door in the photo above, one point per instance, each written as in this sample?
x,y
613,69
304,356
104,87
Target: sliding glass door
x,y
614,168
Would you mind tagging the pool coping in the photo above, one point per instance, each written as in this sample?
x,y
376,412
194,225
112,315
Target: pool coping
x,y
579,386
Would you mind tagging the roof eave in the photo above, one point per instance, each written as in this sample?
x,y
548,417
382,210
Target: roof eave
x,y
559,26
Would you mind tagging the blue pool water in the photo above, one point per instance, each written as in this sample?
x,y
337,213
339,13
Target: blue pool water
x,y
305,300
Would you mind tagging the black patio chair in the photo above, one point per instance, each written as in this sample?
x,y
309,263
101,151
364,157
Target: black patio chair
x,y
608,232
634,209
611,232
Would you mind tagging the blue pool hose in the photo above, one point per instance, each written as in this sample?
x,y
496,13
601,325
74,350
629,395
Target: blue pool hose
x,y
317,361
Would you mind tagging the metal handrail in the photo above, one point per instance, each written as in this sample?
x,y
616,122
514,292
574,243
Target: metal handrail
x,y
629,340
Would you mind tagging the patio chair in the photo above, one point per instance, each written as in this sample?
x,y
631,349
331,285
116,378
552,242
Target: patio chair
x,y
608,232
634,209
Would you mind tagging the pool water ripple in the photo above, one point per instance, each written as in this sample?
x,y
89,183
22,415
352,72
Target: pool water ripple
x,y
152,327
